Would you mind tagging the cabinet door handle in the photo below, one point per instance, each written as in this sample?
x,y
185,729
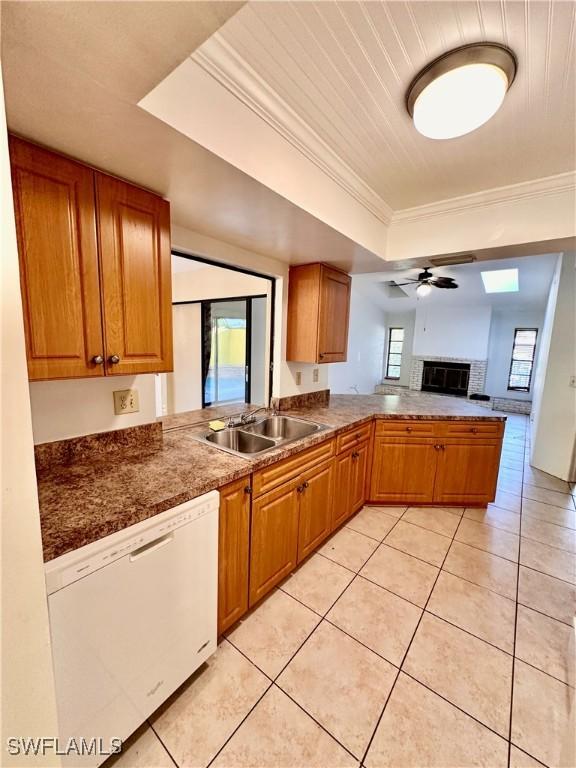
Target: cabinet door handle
x,y
442,447
300,489
474,430
248,489
306,484
114,359
408,429
437,447
321,355
97,359
355,455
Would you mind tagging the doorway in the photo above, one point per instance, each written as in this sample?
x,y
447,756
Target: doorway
x,y
226,351
223,337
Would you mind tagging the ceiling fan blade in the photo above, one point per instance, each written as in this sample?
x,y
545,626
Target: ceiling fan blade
x,y
445,285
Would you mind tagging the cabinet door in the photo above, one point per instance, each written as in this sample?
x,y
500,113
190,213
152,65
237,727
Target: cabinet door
x,y
134,233
467,471
403,471
233,552
316,492
273,539
358,478
333,316
342,505
56,229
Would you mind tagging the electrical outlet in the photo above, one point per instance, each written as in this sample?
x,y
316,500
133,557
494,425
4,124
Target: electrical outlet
x,y
298,378
573,381
315,375
126,401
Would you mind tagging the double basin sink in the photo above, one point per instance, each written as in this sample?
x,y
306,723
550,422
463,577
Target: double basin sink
x,y
260,436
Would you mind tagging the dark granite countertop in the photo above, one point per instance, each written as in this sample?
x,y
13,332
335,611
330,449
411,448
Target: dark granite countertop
x,y
86,494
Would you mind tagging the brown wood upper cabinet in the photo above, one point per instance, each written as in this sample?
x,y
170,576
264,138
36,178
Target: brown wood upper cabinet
x,y
95,269
318,311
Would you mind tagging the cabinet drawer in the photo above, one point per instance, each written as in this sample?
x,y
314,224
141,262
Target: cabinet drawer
x,y
471,428
406,428
272,476
353,437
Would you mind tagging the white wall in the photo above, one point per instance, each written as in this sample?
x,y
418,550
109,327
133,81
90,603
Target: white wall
x,y
554,412
184,386
504,323
28,698
531,212
452,332
363,368
407,321
74,407
259,356
210,282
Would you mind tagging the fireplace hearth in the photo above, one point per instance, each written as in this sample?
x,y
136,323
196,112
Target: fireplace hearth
x,y
446,378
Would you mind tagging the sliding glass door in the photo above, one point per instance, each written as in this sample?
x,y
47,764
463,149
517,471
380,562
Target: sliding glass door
x,y
226,334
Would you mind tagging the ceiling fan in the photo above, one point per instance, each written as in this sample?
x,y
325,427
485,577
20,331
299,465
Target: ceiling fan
x,y
426,281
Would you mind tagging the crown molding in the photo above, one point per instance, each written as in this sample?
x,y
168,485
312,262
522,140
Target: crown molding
x,y
560,184
220,60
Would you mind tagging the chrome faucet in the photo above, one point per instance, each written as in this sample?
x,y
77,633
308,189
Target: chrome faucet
x,y
248,418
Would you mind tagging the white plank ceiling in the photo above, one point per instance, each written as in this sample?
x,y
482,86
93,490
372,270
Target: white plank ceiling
x,y
344,67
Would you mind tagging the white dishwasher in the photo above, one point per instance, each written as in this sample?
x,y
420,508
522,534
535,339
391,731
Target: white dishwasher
x,y
131,617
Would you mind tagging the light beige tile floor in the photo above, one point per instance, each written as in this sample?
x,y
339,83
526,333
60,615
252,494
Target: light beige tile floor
x,y
415,638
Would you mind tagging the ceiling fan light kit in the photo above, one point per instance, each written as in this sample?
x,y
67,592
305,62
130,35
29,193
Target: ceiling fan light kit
x,y
460,90
426,281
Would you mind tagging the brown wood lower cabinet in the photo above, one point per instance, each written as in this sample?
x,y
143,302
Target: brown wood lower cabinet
x,y
435,470
299,501
274,538
316,493
233,552
467,471
351,473
403,471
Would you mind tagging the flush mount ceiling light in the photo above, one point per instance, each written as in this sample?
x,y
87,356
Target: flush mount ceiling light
x,y
460,90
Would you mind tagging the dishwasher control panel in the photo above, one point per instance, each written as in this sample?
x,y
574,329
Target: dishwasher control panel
x,y
72,566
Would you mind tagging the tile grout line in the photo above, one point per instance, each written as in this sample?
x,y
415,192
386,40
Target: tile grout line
x,y
155,732
363,761
510,724
273,680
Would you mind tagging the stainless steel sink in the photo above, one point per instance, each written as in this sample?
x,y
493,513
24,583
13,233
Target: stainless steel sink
x,y
240,441
260,436
283,427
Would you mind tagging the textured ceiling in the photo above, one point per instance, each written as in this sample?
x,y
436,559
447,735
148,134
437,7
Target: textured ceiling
x,y
344,69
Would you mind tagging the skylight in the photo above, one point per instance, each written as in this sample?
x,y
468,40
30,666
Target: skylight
x,y
500,281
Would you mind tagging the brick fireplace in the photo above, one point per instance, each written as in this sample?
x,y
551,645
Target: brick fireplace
x,y
476,372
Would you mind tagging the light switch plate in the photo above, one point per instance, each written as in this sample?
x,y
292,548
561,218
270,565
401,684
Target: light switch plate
x,y
298,378
315,375
126,401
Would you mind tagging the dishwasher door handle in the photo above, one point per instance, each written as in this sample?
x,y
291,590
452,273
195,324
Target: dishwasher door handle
x,y
152,546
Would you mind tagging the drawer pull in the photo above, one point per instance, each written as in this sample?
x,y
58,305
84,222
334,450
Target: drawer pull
x,y
474,430
437,447
408,429
300,488
248,489
355,455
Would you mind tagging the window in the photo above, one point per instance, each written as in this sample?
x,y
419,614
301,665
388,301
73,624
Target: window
x,y
522,359
394,360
